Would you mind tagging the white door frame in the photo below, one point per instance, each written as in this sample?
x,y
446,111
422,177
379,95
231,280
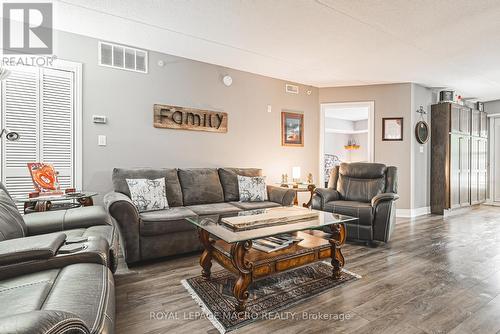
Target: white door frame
x,y
371,131
491,157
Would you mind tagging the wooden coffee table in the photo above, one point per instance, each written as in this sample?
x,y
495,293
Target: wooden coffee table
x,y
233,249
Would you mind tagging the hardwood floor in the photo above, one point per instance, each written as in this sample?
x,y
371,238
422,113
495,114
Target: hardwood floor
x,y
436,276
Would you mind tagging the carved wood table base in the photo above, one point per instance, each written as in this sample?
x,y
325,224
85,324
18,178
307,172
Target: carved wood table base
x,y
250,265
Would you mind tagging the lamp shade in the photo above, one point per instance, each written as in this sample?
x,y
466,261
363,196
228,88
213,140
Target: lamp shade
x,y
296,172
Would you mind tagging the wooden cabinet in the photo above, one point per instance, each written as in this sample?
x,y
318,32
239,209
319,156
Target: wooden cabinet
x,y
458,157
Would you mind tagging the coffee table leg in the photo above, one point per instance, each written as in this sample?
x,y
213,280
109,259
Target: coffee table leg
x,y
336,242
206,257
240,290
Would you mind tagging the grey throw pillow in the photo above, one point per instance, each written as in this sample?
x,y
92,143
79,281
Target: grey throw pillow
x,y
11,221
252,188
148,195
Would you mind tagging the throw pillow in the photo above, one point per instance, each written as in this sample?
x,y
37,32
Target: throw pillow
x,y
148,195
252,188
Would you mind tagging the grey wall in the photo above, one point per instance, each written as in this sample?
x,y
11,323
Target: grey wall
x,y
420,161
392,100
492,107
127,98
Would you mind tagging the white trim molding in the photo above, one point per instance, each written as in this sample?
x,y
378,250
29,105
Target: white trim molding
x,y
412,213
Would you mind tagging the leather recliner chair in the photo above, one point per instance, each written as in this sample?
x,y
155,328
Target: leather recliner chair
x,y
367,191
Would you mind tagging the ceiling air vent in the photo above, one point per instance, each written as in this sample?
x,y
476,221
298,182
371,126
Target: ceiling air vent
x,y
292,89
123,57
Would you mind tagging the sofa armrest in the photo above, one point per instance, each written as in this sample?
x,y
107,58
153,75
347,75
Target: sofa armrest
x,y
40,247
280,195
322,196
384,197
126,215
43,322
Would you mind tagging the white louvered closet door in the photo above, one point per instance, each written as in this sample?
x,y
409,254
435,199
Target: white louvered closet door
x,y
57,123
38,103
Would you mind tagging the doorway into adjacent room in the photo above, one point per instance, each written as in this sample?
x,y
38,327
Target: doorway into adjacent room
x,y
346,134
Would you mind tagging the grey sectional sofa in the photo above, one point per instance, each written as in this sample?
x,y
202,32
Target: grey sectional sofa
x,y
190,192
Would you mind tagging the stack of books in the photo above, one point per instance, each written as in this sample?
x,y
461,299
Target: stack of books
x,y
274,243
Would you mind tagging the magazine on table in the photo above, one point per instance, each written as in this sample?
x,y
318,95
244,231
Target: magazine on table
x,y
275,243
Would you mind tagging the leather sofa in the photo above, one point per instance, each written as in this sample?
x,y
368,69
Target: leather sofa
x,y
91,227
367,191
74,299
55,270
190,192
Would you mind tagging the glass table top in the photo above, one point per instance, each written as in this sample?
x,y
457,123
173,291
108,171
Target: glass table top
x,y
213,225
54,198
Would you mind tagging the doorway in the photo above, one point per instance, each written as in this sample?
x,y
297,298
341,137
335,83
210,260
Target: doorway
x,y
346,134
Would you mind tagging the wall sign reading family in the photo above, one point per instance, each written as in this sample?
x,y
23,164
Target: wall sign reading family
x,y
180,118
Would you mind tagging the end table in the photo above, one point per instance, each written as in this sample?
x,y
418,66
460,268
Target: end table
x,y
300,187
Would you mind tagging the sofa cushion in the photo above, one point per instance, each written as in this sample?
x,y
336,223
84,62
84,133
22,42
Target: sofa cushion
x,y
214,209
173,187
11,222
360,210
255,205
166,221
85,290
361,190
200,186
229,180
148,195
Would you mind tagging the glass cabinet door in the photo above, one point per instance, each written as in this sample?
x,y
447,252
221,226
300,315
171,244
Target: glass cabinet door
x,y
465,116
476,121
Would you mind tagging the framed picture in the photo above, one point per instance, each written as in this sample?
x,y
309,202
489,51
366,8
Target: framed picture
x,y
292,129
392,129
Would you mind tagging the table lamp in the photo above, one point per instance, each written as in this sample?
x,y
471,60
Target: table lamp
x,y
295,176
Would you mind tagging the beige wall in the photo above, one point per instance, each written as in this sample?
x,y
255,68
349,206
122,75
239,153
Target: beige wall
x,y
492,107
392,100
127,98
420,153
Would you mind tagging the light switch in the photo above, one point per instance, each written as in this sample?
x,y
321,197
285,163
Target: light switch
x,y
421,148
269,108
101,140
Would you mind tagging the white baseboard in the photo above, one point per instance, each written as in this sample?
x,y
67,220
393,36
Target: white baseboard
x,y
412,213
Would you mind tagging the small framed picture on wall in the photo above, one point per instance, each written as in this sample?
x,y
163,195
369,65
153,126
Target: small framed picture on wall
x,y
392,129
292,129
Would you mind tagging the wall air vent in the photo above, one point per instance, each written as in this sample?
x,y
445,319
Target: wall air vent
x,y
123,57
292,89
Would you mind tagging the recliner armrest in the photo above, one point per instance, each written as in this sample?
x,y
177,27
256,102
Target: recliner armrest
x,y
43,322
40,247
322,196
383,198
280,195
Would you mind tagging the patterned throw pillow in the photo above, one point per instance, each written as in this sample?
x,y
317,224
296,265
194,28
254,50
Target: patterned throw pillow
x,y
252,189
148,195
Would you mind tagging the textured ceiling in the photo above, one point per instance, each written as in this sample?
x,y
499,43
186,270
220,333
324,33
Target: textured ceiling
x,y
437,43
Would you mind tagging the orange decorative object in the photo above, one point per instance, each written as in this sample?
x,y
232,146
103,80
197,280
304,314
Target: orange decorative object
x,y
352,147
44,178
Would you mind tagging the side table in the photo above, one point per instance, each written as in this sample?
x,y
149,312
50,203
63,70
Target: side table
x,y
301,187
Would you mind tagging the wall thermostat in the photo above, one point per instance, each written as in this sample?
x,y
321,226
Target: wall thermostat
x,y
99,119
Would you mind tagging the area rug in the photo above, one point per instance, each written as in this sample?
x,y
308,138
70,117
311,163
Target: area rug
x,y
267,296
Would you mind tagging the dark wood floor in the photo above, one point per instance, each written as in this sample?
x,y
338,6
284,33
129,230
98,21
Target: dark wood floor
x,y
436,276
